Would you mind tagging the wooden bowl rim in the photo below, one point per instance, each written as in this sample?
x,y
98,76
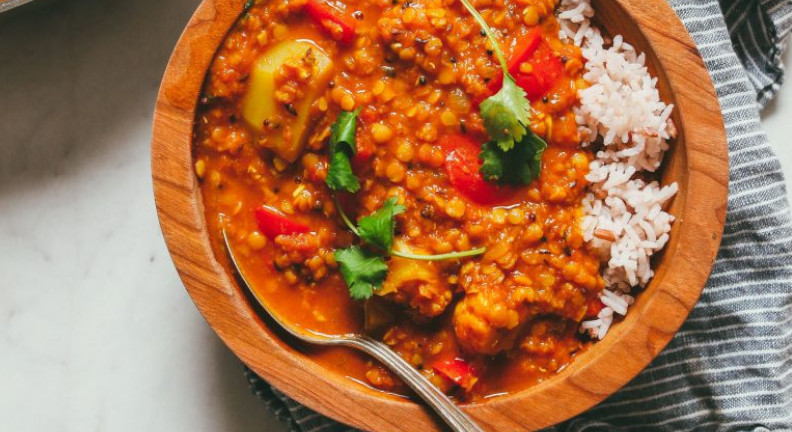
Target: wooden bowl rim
x,y
653,321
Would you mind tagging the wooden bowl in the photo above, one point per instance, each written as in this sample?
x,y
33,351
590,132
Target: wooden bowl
x,y
698,162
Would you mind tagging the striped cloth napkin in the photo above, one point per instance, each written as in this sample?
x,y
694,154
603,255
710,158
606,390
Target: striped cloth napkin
x,y
730,366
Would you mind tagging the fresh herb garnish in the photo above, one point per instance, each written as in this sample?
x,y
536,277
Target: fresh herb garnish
x,y
342,148
515,153
517,166
506,115
248,4
364,269
377,229
378,232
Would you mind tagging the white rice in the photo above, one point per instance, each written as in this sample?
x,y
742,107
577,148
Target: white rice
x,y
625,221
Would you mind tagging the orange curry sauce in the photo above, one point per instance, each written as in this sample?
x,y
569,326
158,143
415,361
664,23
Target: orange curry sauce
x,y
417,70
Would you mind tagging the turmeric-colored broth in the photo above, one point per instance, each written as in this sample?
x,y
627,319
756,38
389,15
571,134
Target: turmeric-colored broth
x,y
417,71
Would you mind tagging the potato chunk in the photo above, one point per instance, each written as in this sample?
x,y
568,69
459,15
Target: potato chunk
x,y
284,125
416,284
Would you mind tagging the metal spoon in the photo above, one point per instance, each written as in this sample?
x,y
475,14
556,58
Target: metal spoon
x,y
6,5
436,399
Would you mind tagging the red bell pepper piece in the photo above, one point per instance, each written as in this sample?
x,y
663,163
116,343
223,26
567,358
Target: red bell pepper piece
x,y
363,153
545,68
365,148
332,20
462,166
594,308
273,223
525,48
457,370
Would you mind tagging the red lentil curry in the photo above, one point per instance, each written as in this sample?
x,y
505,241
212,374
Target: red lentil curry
x,y
343,147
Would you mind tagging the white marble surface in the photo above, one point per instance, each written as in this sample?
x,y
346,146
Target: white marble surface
x,y
96,331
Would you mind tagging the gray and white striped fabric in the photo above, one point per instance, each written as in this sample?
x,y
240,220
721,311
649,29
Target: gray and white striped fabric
x,y
730,366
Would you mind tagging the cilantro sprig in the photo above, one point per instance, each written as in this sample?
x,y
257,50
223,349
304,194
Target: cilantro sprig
x,y
364,267
364,270
514,154
361,267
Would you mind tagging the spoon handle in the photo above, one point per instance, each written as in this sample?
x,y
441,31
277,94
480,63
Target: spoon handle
x,y
440,403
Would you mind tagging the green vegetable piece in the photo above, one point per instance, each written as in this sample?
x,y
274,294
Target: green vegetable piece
x,y
340,175
342,148
342,132
534,148
363,271
507,114
377,229
492,161
520,165
248,4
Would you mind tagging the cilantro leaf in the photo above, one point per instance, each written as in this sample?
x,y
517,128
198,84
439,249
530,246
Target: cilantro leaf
x,y
377,228
342,132
519,165
507,114
363,271
340,175
492,161
535,147
342,148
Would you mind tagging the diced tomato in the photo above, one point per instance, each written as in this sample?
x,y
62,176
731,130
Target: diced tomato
x,y
525,48
457,370
462,166
333,21
368,114
364,151
273,223
365,148
594,308
543,67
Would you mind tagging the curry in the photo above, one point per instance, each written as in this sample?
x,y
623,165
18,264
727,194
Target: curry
x,y
483,284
